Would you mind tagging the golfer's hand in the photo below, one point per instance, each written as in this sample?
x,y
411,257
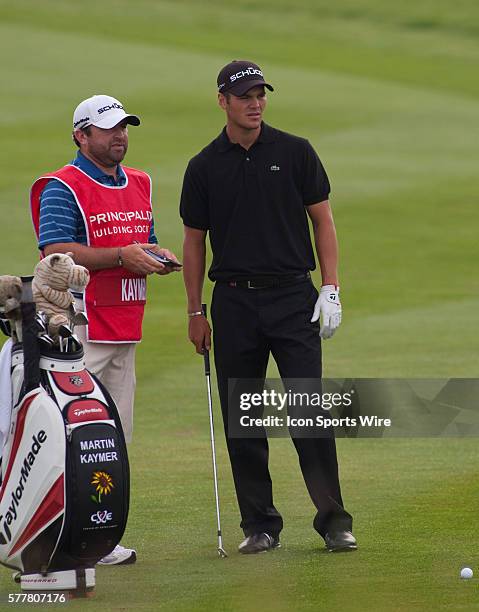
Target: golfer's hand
x,y
166,253
328,307
199,332
136,260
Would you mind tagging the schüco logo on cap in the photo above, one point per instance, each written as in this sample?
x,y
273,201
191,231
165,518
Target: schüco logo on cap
x,y
243,73
109,107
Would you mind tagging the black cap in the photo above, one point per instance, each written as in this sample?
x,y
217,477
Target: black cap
x,y
240,76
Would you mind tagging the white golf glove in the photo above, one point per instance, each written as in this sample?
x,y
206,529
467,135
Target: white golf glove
x,y
328,307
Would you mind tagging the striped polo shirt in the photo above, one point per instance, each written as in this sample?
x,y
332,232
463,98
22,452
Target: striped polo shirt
x,y
60,217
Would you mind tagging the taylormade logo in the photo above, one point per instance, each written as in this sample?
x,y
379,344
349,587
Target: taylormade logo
x,y
17,494
84,120
243,73
79,412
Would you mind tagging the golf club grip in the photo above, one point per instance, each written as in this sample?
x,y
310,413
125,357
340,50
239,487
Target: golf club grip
x,y
206,353
206,357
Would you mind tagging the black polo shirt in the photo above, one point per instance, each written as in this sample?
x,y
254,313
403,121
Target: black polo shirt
x,y
253,203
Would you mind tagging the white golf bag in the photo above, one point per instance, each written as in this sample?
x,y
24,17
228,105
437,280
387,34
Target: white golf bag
x,y
64,491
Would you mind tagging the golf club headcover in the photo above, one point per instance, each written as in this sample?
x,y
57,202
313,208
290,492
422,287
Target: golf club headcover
x,y
10,311
54,276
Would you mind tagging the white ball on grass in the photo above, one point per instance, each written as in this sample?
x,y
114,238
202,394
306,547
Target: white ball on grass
x,y
467,573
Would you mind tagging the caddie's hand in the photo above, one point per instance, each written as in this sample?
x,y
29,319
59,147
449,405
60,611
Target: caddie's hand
x,y
167,253
199,332
136,260
328,307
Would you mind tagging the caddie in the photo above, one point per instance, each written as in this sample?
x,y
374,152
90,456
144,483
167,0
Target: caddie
x,y
101,212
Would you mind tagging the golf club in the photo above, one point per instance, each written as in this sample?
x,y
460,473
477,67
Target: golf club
x,y
64,335
46,340
206,355
76,345
41,322
5,326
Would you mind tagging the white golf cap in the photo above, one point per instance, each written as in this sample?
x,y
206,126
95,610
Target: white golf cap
x,y
101,111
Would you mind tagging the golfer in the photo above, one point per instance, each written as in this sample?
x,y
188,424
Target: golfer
x,y
101,212
253,189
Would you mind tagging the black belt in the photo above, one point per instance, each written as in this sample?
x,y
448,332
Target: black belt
x,y
268,282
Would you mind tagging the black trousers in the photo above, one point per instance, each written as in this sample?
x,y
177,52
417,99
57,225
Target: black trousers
x,y
248,326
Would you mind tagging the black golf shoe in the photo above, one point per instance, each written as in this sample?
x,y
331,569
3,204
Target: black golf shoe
x,y
257,543
340,541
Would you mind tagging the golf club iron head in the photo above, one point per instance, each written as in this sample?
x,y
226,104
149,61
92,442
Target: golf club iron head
x,y
5,326
64,335
41,322
64,331
47,340
41,316
75,343
222,552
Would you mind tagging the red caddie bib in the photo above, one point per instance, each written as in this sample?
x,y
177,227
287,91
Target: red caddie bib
x,y
114,217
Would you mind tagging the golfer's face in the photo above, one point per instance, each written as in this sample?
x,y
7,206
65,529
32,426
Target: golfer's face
x,y
246,111
108,146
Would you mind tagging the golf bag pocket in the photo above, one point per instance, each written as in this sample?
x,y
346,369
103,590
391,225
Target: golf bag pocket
x,y
97,477
32,493
80,383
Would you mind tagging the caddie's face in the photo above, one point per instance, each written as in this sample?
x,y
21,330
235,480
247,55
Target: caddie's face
x,y
245,111
108,147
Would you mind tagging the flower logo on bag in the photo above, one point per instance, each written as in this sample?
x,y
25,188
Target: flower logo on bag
x,y
103,483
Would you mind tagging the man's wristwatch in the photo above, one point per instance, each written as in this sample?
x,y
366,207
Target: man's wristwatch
x,y
120,260
197,313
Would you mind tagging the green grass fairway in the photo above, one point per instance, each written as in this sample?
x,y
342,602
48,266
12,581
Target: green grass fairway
x,y
388,94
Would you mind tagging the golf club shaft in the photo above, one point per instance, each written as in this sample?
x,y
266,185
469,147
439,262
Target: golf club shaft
x,y
206,357
213,457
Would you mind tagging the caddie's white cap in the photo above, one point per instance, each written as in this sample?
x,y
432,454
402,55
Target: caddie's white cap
x,y
101,111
